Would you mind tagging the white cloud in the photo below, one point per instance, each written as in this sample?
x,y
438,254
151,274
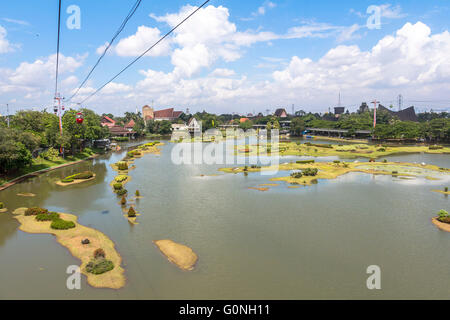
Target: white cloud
x,y
136,44
392,12
219,72
5,45
15,21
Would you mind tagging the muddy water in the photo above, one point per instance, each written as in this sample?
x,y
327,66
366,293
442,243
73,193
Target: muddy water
x,y
307,243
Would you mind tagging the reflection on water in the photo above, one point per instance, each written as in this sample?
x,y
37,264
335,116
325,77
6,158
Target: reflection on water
x,y
310,242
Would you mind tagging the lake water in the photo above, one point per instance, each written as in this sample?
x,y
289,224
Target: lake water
x,y
308,243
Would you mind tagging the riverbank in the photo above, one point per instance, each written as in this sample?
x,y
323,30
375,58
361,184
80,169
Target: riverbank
x,y
40,166
71,239
340,139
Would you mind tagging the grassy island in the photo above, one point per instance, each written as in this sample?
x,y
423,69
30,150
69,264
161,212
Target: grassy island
x,y
77,178
307,173
82,243
179,254
343,151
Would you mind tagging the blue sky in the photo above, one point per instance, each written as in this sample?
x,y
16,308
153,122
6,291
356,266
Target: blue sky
x,y
233,56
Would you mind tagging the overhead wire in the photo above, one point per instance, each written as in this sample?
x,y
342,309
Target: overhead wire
x,y
145,52
119,30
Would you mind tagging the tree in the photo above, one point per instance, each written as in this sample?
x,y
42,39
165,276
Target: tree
x,y
297,127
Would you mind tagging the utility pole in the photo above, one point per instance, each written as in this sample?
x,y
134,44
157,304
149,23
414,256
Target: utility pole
x,y
7,114
375,102
59,113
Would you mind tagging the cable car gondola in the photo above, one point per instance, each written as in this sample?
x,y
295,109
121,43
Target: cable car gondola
x,y
80,118
55,109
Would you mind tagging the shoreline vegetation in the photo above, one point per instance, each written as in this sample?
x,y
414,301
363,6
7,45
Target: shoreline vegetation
x,y
82,242
342,151
307,173
41,166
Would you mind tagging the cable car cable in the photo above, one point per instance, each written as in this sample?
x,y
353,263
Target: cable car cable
x,y
145,52
57,48
122,26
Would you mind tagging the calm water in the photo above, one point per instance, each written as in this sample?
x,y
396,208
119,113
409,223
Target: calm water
x,y
307,243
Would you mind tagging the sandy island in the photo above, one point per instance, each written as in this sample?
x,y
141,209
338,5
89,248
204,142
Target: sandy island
x,y
71,239
441,225
179,254
443,192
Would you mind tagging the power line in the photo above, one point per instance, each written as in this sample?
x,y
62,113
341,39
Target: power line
x,y
57,48
145,52
122,26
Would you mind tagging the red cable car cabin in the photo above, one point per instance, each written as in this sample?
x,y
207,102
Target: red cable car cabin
x,y
80,118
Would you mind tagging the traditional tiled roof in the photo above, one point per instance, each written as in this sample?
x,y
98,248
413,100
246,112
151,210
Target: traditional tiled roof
x,y
108,119
279,112
119,130
167,113
130,124
408,114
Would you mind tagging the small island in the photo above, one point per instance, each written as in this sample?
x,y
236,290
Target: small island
x,y
179,254
442,221
83,243
2,208
76,178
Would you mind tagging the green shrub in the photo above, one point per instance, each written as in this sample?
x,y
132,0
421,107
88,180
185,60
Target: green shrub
x,y
131,212
246,168
82,176
120,178
443,214
99,266
122,192
88,150
137,193
123,201
47,216
381,149
35,211
50,154
311,172
1,205
122,165
99,253
60,224
445,190
345,165
385,161
117,186
305,161
255,167
130,154
444,220
435,147
336,161
394,172
296,175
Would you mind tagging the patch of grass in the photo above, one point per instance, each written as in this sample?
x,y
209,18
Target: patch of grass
x,y
35,211
99,266
117,186
51,216
122,192
122,165
120,178
305,161
60,224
